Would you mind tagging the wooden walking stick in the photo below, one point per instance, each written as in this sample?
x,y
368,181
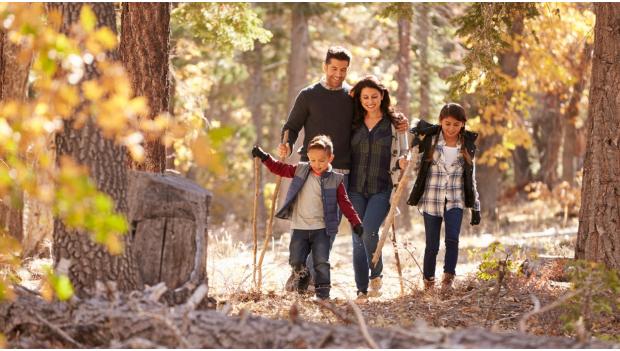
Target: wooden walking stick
x,y
268,232
254,217
393,205
398,266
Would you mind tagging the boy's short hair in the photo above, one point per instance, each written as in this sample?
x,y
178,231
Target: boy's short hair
x,y
321,142
338,53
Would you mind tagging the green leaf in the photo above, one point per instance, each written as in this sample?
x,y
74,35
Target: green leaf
x,y
88,19
63,287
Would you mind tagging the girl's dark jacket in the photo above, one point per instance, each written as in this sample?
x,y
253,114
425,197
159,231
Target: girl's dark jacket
x,y
423,136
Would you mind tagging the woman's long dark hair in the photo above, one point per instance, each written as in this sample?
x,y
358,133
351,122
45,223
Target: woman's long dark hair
x,y
386,108
457,112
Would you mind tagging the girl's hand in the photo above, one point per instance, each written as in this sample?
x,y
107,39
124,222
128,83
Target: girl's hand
x,y
402,163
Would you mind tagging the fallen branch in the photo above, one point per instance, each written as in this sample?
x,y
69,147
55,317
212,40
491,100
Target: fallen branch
x,y
58,331
538,310
363,328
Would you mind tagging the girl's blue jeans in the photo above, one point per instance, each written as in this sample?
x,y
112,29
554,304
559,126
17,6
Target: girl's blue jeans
x,y
432,226
372,210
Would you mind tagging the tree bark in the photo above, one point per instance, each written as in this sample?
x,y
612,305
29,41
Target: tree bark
x,y
552,127
491,176
570,150
13,82
89,261
144,50
598,236
403,95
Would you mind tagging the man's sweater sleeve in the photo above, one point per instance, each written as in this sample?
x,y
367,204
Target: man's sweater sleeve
x,y
297,118
346,206
280,168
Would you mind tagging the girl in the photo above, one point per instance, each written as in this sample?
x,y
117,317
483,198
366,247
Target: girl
x,y
445,185
378,153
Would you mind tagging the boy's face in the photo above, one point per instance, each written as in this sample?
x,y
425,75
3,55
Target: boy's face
x,y
319,160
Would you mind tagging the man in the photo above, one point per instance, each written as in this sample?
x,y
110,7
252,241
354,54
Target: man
x,y
325,107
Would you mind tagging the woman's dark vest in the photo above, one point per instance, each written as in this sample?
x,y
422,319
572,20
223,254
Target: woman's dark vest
x,y
423,135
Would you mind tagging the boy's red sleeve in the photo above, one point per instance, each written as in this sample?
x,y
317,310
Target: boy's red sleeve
x,y
280,168
346,206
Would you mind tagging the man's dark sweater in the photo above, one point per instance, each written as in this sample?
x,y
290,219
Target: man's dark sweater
x,y
322,111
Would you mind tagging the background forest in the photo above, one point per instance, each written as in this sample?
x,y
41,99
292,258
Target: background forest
x,y
89,94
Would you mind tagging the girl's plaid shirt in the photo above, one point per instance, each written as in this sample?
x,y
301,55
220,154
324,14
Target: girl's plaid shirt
x,y
444,185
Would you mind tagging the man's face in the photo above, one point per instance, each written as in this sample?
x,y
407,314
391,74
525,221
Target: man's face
x,y
335,72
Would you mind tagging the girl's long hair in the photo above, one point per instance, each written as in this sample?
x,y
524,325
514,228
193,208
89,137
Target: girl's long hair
x,y
371,81
457,112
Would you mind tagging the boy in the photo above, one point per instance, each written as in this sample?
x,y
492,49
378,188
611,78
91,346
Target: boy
x,y
311,204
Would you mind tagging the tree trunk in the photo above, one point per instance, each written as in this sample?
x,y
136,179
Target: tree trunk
x,y
13,82
491,176
144,50
255,99
422,36
89,261
403,96
553,126
570,151
297,79
598,236
522,172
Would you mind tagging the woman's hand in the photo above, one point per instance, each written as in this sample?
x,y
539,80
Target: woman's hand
x,y
402,163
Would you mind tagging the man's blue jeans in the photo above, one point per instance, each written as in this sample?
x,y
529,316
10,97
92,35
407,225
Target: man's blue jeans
x,y
317,241
372,210
309,262
432,226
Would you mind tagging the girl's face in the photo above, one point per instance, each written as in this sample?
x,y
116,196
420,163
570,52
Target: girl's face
x,y
451,127
371,99
319,160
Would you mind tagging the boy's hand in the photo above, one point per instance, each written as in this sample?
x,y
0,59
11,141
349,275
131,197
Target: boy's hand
x,y
358,230
475,217
258,152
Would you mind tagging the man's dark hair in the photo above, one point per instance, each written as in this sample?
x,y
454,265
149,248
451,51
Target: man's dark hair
x,y
338,53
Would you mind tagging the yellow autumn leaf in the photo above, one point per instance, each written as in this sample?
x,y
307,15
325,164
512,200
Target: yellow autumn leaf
x,y
106,38
138,106
88,19
92,90
114,245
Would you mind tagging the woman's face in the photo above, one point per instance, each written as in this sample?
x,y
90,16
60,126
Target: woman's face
x,y
451,127
371,99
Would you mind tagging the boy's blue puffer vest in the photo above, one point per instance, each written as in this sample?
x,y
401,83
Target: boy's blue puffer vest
x,y
330,181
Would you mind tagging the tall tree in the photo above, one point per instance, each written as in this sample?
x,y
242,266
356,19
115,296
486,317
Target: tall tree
x,y
106,163
403,96
422,38
14,67
144,50
598,237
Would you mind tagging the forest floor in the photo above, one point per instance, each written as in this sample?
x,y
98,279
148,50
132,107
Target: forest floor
x,y
531,232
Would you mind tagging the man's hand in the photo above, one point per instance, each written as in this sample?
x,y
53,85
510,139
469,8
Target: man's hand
x,y
475,217
402,124
284,150
258,152
358,230
402,163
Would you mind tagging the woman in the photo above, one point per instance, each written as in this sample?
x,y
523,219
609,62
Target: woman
x,y
378,154
445,185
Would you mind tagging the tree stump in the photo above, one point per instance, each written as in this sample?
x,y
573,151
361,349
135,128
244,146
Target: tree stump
x,y
168,216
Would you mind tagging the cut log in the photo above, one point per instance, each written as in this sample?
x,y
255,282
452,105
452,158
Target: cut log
x,y
168,214
132,318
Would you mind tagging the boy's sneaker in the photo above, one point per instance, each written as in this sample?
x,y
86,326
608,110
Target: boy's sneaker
x,y
375,287
362,297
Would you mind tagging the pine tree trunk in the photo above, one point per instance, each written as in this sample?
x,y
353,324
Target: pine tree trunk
x,y
570,150
598,237
404,97
89,261
144,50
552,127
255,99
491,176
13,81
422,36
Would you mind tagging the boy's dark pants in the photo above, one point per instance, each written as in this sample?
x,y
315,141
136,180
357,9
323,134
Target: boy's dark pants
x,y
302,243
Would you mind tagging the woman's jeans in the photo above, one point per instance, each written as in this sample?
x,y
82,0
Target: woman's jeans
x,y
317,241
372,210
432,226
